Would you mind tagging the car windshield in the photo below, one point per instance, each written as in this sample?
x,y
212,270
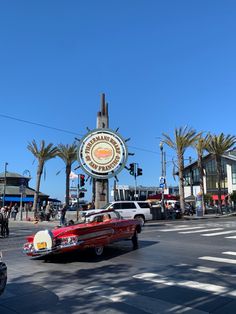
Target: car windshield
x,y
106,206
85,217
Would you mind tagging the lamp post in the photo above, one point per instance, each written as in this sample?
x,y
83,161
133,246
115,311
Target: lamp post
x,y
162,179
5,182
22,191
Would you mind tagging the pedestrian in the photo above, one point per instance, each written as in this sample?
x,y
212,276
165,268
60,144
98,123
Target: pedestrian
x,y
63,215
4,222
14,211
48,211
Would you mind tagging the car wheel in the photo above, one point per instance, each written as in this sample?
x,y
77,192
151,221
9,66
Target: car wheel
x,y
99,250
135,239
140,218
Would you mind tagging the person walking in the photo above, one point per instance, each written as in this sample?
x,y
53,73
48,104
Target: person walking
x,y
48,211
63,215
14,211
4,222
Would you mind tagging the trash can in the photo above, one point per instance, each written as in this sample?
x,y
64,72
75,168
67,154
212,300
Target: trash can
x,y
199,212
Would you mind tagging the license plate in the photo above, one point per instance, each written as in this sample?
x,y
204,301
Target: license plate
x,y
41,245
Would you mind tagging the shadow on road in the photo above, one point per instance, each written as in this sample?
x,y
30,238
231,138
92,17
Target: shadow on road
x,y
89,256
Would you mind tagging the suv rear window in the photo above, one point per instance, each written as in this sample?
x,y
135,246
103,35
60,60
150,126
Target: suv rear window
x,y
123,205
144,205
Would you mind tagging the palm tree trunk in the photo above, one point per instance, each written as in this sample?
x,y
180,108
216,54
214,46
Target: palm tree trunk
x,y
181,180
201,174
36,193
68,171
219,177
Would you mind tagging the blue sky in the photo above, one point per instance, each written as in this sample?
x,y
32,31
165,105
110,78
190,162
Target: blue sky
x,y
161,64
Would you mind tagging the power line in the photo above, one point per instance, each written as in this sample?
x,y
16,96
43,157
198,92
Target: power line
x,y
66,131
38,124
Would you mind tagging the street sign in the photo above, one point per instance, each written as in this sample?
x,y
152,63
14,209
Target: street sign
x,y
162,185
162,180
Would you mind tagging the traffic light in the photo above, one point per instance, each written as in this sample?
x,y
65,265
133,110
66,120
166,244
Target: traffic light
x,y
81,194
139,172
81,180
131,169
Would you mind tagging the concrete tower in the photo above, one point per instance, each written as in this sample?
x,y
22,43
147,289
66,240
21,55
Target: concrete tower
x,y
101,186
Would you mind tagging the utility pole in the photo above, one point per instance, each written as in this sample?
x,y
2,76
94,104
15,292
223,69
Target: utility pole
x,y
162,179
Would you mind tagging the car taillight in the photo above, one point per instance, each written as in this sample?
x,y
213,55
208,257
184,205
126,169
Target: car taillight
x,y
68,240
28,246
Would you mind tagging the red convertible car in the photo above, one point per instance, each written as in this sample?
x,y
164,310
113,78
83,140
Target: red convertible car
x,y
94,230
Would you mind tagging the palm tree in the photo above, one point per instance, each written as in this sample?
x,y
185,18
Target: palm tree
x,y
217,145
201,145
184,137
42,153
68,154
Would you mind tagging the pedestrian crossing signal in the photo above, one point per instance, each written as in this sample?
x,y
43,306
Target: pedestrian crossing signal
x,y
139,172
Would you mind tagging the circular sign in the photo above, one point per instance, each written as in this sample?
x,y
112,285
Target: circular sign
x,y
102,153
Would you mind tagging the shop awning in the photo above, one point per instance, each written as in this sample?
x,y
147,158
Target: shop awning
x,y
215,197
18,199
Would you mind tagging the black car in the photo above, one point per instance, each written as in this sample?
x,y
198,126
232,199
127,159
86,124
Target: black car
x,y
3,275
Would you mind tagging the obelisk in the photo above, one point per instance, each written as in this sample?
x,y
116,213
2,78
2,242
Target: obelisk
x,y
101,185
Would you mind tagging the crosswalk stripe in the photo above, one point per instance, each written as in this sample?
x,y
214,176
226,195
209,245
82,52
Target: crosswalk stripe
x,y
180,229
214,289
229,253
218,233
141,302
231,237
218,259
202,230
207,270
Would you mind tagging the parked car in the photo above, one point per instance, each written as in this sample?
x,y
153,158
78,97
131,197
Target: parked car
x,y
92,231
140,210
3,274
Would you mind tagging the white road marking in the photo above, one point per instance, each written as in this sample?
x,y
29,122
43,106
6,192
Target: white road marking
x,y
212,270
231,237
198,231
214,289
218,259
180,229
141,302
229,253
218,233
202,269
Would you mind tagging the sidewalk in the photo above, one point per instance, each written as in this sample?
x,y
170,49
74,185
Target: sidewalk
x,y
224,215
72,215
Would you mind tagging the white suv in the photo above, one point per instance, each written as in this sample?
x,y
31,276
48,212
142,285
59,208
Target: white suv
x,y
132,209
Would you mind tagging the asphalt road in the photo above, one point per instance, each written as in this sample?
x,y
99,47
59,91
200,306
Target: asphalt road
x,y
180,267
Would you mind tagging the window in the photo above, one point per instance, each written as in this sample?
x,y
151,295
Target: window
x,y
234,174
211,167
196,177
144,205
124,205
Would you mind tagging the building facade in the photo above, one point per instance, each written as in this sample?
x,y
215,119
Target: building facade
x,y
141,193
210,180
14,188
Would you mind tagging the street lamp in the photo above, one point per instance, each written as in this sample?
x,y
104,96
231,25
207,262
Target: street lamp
x,y
22,192
162,179
4,186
